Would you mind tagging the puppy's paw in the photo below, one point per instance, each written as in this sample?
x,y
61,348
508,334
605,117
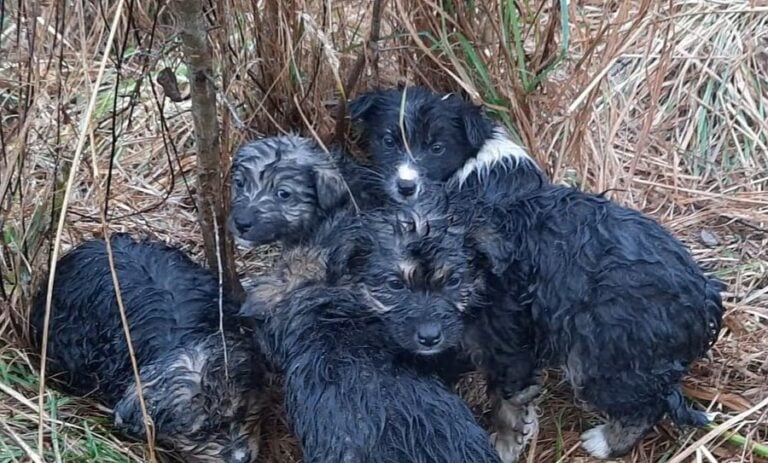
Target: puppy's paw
x,y
595,442
526,396
509,445
517,425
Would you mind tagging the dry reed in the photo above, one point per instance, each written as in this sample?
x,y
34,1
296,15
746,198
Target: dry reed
x,y
663,104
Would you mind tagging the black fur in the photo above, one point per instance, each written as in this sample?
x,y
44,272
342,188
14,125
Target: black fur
x,y
443,141
347,395
417,272
172,307
578,281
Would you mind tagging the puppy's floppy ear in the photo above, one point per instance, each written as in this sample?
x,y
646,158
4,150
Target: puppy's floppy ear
x,y
491,249
477,126
360,108
330,187
350,257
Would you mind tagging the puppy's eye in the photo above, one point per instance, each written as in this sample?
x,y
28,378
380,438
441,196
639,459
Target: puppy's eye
x,y
395,284
238,181
389,141
453,282
283,194
437,148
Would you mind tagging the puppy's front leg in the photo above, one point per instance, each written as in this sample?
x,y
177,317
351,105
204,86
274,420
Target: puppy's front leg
x,y
514,410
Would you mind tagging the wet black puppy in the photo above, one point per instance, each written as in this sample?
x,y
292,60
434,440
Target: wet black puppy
x,y
204,402
605,292
283,187
418,272
438,137
348,395
430,288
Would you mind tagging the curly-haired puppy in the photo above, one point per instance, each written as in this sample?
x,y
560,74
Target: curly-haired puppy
x,y
414,135
601,290
430,287
283,187
202,394
348,396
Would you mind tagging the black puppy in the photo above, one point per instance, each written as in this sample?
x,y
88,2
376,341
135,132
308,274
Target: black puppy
x,y
415,135
557,256
204,401
284,187
348,395
430,289
578,281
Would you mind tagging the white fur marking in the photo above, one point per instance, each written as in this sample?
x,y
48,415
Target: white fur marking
x,y
243,243
238,455
495,150
406,172
595,443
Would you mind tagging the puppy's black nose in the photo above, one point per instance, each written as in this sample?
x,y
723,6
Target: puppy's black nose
x,y
241,224
406,187
429,334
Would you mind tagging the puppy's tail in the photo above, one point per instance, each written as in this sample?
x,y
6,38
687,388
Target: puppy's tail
x,y
682,414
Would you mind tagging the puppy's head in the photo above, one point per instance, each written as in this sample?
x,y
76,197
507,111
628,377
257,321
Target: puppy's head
x,y
418,278
282,188
415,133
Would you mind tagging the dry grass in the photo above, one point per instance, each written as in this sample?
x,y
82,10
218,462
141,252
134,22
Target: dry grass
x,y
663,103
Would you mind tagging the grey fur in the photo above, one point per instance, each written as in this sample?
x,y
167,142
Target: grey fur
x,y
284,187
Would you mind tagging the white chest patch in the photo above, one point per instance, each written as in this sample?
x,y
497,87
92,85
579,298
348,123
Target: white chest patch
x,y
496,149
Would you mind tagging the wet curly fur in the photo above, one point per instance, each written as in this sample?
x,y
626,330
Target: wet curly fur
x,y
602,290
444,139
417,275
572,279
202,407
284,187
348,395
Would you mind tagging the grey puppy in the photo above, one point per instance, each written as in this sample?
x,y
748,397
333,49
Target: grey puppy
x,y
284,187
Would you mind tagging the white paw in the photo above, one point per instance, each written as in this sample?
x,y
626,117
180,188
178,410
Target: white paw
x,y
508,446
518,425
712,415
595,443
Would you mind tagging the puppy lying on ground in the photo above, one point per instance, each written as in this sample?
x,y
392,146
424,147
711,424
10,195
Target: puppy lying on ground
x,y
349,396
283,187
445,139
204,402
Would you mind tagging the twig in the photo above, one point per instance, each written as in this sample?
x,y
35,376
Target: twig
x,y
35,457
199,59
221,296
149,428
717,431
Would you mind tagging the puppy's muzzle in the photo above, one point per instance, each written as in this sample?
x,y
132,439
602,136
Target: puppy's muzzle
x,y
406,187
429,335
240,224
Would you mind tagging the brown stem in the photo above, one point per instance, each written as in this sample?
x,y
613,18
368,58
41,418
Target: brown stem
x,y
211,203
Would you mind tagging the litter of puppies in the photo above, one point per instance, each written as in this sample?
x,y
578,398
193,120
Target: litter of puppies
x,y
451,252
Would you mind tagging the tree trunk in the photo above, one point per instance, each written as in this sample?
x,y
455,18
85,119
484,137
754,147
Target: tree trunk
x,y
211,198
